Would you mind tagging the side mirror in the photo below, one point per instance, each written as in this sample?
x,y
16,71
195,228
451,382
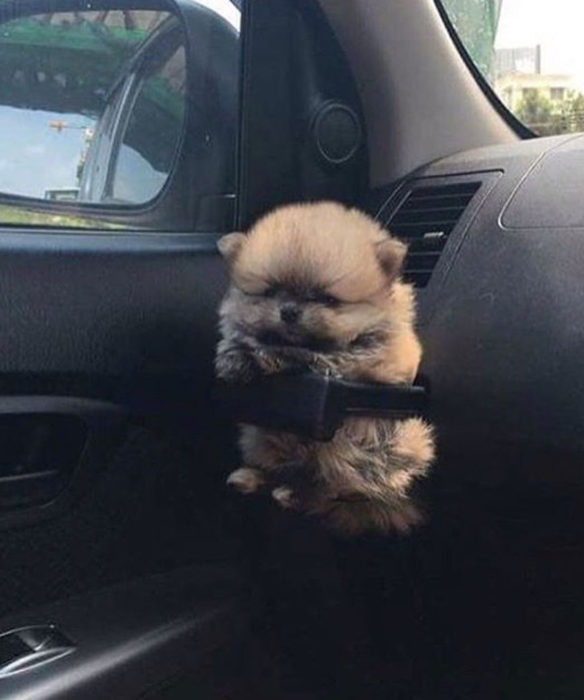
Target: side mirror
x,y
124,113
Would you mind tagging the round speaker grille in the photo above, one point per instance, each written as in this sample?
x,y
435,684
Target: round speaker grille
x,y
337,132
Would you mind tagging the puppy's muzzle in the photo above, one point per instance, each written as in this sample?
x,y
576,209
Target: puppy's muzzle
x,y
289,313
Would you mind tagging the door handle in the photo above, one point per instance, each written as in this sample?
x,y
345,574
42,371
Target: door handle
x,y
28,647
38,453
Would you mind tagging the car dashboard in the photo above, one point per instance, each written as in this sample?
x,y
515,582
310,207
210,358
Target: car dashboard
x,y
497,253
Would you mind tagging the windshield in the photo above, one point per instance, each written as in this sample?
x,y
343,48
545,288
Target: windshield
x,y
531,52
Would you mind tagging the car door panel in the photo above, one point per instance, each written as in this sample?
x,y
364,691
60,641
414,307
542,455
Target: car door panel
x,y
130,638
112,464
106,351
116,326
128,331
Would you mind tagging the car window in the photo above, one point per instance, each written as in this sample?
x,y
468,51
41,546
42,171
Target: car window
x,y
92,114
531,54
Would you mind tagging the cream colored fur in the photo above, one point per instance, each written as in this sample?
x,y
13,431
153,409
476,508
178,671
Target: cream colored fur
x,y
340,270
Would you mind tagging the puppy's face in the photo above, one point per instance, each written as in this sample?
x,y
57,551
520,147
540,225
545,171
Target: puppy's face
x,y
317,276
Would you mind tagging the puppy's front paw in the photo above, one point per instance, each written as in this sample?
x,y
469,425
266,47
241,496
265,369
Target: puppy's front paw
x,y
246,480
285,497
236,366
406,519
270,360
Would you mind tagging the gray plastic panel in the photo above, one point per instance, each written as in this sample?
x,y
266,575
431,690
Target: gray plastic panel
x,y
503,319
551,194
420,100
129,637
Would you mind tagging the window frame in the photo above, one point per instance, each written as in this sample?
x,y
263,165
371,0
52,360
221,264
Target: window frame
x,y
512,121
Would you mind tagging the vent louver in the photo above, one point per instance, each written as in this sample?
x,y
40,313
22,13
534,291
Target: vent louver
x,y
424,221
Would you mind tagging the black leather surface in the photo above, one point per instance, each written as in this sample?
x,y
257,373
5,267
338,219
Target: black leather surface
x,y
107,304
154,508
129,319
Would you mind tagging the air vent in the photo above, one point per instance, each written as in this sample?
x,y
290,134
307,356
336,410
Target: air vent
x,y
424,221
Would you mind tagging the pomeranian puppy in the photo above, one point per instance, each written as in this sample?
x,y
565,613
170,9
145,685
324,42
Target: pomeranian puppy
x,y
317,286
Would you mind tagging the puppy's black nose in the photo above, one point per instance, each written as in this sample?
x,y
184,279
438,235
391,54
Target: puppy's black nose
x,y
289,313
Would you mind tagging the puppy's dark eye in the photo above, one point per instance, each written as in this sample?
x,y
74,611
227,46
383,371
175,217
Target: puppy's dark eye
x,y
270,292
319,297
329,300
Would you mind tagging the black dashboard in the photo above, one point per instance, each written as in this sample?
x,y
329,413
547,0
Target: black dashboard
x,y
502,312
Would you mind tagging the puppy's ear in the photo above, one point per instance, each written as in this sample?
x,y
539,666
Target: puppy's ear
x,y
230,245
391,253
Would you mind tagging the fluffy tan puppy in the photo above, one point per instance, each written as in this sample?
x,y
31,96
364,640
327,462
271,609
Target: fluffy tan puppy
x,y
317,286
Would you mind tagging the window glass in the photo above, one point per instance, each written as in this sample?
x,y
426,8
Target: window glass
x,y
93,114
531,53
